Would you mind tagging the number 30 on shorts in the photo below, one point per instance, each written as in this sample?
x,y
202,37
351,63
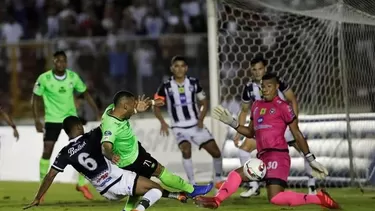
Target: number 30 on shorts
x,y
272,165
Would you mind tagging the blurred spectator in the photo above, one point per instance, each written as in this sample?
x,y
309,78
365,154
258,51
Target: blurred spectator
x,y
193,12
175,22
153,23
127,25
138,11
52,24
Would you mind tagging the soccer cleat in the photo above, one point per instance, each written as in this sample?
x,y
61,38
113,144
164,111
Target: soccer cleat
x,y
207,202
85,191
312,190
327,200
250,192
200,190
182,197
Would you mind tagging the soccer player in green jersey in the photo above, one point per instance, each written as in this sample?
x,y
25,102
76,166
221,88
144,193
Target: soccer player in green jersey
x,y
56,88
119,141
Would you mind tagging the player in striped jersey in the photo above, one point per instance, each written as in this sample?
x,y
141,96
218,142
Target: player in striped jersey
x,y
182,95
252,92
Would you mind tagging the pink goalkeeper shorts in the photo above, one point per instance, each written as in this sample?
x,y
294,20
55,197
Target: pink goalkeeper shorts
x,y
278,165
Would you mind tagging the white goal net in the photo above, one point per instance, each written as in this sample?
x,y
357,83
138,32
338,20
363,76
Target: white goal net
x,y
325,50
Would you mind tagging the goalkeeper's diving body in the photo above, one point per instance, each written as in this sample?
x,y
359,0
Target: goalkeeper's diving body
x,y
85,155
252,91
270,117
119,141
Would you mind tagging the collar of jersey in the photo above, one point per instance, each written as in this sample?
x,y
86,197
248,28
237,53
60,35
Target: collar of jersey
x,y
176,81
75,139
66,75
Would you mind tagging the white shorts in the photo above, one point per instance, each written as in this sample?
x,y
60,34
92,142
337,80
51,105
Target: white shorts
x,y
194,135
121,187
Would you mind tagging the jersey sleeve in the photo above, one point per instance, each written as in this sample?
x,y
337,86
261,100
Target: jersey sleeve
x,y
287,113
79,86
160,93
109,133
201,95
283,86
39,86
245,97
61,161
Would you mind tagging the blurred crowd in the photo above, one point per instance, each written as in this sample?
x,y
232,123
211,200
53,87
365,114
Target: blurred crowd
x,y
29,19
112,44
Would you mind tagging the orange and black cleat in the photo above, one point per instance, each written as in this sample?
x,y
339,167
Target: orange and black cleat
x,y
327,200
85,191
207,202
182,197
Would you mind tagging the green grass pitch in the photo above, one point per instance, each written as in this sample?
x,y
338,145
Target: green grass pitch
x,y
63,197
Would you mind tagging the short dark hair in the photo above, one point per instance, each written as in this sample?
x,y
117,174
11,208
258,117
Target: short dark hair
x,y
178,58
257,59
270,76
70,122
122,94
59,53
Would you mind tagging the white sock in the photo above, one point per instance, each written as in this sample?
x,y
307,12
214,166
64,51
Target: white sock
x,y
218,167
254,185
149,199
311,182
244,156
189,169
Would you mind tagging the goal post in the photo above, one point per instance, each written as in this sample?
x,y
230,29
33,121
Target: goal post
x,y
324,49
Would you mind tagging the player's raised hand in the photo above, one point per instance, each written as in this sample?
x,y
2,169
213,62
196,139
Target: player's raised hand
x,y
222,114
318,170
115,159
32,204
164,129
142,103
38,126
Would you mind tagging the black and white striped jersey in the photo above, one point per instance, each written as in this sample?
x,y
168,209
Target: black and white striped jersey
x,y
253,91
84,154
182,100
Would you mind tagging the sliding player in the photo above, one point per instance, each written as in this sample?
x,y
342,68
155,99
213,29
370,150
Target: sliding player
x,y
85,155
119,139
10,122
270,117
183,94
252,92
55,89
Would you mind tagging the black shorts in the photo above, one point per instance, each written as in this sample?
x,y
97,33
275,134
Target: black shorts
x,y
52,131
145,165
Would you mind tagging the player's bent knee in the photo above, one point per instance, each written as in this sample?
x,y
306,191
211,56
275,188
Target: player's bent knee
x,y
48,149
144,184
248,145
185,148
212,148
159,169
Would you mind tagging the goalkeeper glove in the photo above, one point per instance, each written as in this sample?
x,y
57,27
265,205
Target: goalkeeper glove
x,y
222,114
318,170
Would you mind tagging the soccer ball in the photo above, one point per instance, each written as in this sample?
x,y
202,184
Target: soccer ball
x,y
254,169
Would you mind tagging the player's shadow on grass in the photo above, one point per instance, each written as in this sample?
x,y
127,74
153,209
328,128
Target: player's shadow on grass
x,y
92,203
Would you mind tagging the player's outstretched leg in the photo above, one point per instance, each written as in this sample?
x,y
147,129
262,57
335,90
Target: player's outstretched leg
x,y
151,192
229,187
244,154
83,188
173,181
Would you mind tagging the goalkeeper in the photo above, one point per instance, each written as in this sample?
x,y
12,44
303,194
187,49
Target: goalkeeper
x,y
252,92
119,140
270,117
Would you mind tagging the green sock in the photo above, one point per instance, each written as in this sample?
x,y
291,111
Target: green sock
x,y
175,182
81,180
131,202
43,168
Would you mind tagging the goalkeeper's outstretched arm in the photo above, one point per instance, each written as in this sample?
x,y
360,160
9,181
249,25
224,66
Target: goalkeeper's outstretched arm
x,y
247,131
300,139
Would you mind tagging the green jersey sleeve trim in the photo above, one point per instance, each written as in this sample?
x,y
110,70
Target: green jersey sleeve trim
x,y
39,86
79,85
